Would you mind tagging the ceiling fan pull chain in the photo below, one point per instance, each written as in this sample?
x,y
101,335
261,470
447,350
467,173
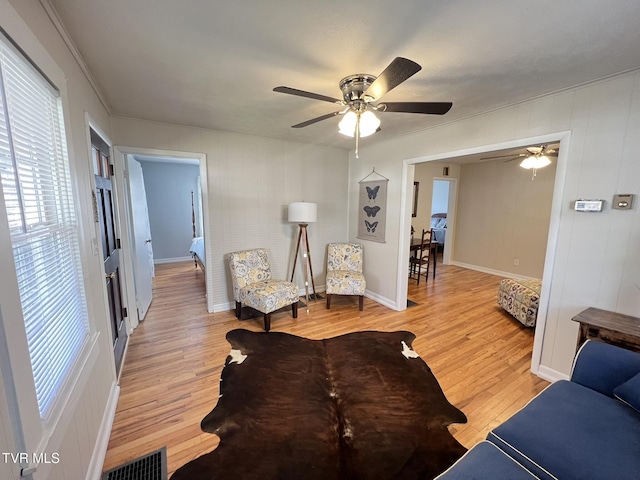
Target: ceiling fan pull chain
x,y
357,134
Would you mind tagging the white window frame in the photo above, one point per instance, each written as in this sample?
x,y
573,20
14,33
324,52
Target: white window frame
x,y
30,433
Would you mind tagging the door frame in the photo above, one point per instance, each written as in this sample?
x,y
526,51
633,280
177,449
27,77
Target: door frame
x,y
91,124
122,176
408,171
452,201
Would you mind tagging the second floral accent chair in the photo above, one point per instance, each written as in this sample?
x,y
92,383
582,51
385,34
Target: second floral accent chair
x,y
344,271
253,285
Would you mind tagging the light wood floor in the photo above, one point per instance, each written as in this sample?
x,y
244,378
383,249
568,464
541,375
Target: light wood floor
x,y
170,380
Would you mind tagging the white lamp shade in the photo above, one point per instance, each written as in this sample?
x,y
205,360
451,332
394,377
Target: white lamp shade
x,y
303,212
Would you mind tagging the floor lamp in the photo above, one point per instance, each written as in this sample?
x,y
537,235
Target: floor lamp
x,y
304,213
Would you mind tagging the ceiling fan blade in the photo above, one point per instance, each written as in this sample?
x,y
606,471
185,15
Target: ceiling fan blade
x,y
433,108
397,72
315,120
512,156
302,93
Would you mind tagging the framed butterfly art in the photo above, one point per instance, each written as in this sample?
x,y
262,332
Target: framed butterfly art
x,y
372,212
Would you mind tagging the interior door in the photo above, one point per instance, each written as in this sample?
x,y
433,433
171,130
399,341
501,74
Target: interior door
x,y
104,203
143,270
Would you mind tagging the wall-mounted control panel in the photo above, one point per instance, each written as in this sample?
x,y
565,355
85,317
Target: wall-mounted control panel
x,y
588,205
622,201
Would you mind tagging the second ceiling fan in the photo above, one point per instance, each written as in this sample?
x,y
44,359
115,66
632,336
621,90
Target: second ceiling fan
x,y
361,94
533,158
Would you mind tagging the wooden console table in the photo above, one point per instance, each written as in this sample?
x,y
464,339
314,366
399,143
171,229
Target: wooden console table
x,y
609,327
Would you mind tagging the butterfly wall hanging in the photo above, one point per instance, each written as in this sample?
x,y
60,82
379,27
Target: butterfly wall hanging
x,y
372,213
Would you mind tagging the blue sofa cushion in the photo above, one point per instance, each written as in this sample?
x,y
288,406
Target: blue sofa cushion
x,y
570,431
485,461
629,392
602,366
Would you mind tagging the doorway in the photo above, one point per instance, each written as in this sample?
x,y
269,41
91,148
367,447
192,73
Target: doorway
x,y
408,171
443,213
122,157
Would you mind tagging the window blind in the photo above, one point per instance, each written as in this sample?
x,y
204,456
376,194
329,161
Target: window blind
x,y
36,182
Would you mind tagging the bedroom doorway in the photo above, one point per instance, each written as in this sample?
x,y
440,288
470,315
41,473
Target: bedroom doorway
x,y
174,215
443,201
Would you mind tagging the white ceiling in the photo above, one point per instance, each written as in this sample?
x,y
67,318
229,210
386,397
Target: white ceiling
x,y
214,63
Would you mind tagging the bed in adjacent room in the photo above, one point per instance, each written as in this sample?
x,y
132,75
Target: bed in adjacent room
x,y
197,244
439,227
197,252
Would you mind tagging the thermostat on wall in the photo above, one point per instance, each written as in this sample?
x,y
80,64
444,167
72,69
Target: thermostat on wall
x,y
588,205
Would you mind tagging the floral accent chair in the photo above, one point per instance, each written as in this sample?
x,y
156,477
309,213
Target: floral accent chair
x,y
344,271
253,285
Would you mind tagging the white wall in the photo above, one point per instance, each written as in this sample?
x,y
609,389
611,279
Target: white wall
x,y
503,215
440,197
424,175
596,261
75,439
251,180
168,187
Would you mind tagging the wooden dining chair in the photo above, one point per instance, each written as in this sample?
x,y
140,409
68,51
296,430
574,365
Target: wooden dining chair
x,y
422,257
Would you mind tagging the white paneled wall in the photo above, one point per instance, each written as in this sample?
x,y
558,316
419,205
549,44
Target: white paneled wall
x,y
251,180
595,257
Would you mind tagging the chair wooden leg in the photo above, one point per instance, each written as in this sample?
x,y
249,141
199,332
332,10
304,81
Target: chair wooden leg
x,y
435,262
361,303
419,268
267,322
238,309
328,300
294,309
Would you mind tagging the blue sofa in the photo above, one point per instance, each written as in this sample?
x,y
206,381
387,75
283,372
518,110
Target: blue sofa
x,y
585,428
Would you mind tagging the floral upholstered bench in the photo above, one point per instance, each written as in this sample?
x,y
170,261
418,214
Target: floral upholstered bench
x,y
521,299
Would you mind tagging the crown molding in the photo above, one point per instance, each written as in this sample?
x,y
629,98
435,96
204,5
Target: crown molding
x,y
75,53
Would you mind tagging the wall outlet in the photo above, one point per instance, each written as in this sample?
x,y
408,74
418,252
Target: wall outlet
x,y
516,262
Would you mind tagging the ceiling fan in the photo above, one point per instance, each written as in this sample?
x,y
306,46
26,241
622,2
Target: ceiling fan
x,y
533,157
360,96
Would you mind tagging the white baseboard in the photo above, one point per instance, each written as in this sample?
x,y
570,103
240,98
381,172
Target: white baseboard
x,y
223,307
102,442
381,300
158,261
491,271
549,374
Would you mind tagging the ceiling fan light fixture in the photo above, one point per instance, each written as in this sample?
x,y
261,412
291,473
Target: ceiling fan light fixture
x,y
535,161
347,125
369,123
366,123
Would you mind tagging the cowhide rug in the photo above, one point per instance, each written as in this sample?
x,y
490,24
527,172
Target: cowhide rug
x,y
357,406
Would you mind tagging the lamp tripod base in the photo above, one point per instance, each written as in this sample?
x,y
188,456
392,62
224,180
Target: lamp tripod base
x,y
308,267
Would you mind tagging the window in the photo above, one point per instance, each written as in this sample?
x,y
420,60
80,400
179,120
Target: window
x,y
36,184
